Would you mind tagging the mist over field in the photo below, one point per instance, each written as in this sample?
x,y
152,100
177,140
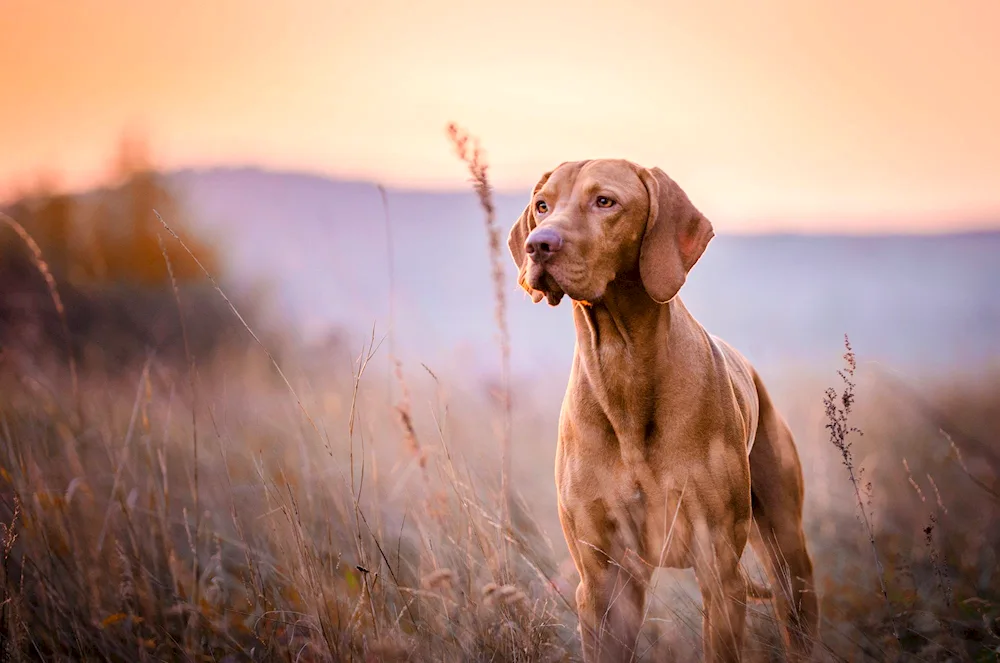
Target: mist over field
x,y
920,303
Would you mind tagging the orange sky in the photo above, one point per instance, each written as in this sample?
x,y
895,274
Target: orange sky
x,y
788,112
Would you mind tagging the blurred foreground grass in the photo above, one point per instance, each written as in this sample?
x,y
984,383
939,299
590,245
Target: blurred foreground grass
x,y
157,523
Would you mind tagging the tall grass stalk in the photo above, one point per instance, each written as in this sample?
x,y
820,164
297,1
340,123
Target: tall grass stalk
x,y
390,267
50,282
194,413
468,150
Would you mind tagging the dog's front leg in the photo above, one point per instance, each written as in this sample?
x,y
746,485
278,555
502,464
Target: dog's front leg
x,y
610,602
723,591
612,591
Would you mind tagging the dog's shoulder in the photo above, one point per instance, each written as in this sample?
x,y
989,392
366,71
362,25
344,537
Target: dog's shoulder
x,y
740,376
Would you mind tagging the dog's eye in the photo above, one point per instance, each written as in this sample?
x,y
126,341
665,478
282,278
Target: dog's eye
x,y
604,201
541,207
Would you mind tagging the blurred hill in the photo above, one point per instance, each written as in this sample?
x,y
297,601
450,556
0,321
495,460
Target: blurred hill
x,y
921,304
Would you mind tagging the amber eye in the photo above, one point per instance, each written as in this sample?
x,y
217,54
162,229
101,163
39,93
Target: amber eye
x,y
604,201
541,207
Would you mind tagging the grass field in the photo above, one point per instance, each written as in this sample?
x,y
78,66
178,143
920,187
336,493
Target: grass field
x,y
154,515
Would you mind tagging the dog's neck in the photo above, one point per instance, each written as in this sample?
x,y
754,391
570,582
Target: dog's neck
x,y
629,348
625,346
625,319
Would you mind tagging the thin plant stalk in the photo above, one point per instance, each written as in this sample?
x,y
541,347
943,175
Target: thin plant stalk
x,y
468,150
390,271
838,407
194,412
50,282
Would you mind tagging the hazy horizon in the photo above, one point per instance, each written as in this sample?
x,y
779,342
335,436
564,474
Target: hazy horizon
x,y
785,299
776,226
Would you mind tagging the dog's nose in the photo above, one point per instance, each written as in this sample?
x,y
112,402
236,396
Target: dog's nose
x,y
542,244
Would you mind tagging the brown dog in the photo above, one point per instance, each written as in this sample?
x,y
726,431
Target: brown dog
x,y
670,451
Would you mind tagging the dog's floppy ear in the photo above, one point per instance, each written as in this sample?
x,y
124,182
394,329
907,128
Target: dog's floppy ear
x,y
676,236
517,237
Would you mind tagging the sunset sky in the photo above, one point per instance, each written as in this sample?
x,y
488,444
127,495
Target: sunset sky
x,y
812,114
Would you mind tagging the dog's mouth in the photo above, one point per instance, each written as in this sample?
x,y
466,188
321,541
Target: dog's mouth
x,y
541,280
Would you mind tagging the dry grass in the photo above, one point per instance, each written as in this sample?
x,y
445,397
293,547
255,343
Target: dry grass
x,y
286,565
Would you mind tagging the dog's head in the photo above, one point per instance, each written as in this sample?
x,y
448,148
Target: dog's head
x,y
589,222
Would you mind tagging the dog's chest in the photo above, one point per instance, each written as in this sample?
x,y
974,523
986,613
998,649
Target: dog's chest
x,y
631,514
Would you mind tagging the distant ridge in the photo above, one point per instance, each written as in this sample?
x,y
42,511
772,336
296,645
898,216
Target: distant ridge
x,y
922,302
785,298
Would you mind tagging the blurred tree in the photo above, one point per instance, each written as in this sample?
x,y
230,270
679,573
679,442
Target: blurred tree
x,y
110,236
121,233
103,249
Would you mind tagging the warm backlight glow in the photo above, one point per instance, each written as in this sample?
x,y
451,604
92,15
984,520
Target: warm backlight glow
x,y
820,115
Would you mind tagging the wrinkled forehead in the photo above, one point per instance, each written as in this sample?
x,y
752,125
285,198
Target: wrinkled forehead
x,y
607,176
